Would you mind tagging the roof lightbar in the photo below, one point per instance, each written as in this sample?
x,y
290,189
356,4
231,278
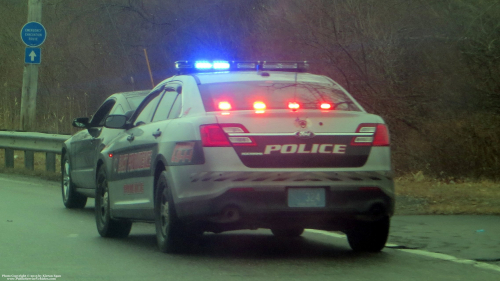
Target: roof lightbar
x,y
183,67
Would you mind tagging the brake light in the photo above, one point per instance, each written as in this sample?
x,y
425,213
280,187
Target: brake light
x,y
326,106
380,135
213,135
216,135
224,105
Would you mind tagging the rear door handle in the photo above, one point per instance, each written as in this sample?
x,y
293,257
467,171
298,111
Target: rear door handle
x,y
157,133
130,138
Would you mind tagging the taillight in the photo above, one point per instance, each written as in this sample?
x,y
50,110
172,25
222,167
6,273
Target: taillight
x,y
380,135
218,135
213,135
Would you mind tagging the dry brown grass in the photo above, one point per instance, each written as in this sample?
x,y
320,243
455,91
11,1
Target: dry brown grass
x,y
450,197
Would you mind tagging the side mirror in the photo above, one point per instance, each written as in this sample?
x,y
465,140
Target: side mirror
x,y
116,122
82,122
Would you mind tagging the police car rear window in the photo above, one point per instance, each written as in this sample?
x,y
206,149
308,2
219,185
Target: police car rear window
x,y
275,95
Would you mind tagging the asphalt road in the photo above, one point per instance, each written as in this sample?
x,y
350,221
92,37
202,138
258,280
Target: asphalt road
x,y
38,236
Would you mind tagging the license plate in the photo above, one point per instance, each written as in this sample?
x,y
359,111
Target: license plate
x,y
306,197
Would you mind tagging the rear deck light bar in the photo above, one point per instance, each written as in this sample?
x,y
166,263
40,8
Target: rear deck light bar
x,y
258,105
293,105
326,106
183,67
380,135
224,105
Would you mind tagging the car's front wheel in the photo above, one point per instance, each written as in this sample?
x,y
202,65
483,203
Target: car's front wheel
x,y
170,232
106,226
369,236
71,199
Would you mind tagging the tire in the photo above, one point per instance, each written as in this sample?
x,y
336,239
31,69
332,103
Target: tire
x,y
106,226
71,199
369,236
287,232
170,231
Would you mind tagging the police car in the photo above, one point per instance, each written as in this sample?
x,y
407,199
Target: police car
x,y
245,145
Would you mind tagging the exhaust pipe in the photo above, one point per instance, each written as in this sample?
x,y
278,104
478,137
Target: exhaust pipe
x,y
227,215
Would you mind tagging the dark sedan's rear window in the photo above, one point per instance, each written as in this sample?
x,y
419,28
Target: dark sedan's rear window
x,y
275,95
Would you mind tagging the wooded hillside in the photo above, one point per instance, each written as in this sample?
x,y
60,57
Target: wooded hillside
x,y
430,68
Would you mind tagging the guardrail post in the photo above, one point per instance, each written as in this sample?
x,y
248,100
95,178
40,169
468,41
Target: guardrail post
x,y
9,158
29,160
50,162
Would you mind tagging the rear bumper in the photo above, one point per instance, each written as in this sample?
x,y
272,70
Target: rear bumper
x,y
251,208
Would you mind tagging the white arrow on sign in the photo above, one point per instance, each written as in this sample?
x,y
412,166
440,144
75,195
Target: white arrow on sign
x,y
32,55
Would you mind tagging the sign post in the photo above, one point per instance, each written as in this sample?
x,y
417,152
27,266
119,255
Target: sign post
x,y
33,34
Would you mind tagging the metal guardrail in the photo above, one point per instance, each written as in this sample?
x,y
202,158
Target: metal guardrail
x,y
30,143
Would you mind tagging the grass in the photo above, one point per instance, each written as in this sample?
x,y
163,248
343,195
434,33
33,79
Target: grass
x,y
448,197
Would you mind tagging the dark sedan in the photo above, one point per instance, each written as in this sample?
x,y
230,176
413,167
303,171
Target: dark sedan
x,y
79,152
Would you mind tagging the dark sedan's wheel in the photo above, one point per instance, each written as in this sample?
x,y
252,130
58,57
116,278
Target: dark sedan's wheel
x,y
287,232
71,199
170,233
369,236
106,226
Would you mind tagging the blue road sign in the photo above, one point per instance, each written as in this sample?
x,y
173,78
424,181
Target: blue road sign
x,y
33,34
32,56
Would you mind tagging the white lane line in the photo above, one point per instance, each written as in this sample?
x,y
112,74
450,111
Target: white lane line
x,y
21,182
421,252
453,259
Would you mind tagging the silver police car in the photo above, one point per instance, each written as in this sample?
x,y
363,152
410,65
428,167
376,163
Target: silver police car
x,y
244,145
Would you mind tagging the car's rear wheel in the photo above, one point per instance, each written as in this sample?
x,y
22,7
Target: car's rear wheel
x,y
287,232
170,231
106,226
71,199
369,236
